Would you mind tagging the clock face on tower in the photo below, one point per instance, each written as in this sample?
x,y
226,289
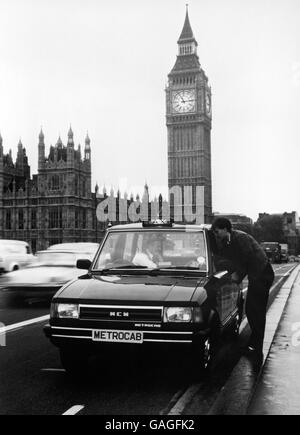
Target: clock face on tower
x,y
208,104
184,101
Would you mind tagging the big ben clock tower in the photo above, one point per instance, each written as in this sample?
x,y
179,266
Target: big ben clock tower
x,y
188,116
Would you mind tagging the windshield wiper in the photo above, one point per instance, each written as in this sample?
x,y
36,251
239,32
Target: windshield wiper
x,y
178,268
130,266
126,266
175,268
150,271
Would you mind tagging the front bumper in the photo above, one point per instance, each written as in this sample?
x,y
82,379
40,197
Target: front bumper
x,y
62,336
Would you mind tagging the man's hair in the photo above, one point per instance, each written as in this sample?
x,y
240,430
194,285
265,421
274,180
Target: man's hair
x,y
222,223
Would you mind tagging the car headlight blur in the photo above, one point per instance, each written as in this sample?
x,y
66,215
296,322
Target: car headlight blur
x,y
178,314
64,311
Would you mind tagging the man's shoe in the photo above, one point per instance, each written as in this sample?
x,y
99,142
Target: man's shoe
x,y
257,361
255,356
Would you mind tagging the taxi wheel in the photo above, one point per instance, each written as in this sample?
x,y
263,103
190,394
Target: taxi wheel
x,y
204,356
235,328
74,363
210,349
208,353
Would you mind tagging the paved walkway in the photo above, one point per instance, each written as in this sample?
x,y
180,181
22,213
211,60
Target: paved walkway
x,y
278,391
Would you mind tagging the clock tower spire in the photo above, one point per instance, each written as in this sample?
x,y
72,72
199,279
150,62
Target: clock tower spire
x,y
188,119
187,42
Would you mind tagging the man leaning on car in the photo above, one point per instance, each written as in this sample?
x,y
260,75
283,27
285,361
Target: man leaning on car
x,y
249,259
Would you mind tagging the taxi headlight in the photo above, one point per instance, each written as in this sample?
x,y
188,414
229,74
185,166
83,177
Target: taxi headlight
x,y
64,311
178,314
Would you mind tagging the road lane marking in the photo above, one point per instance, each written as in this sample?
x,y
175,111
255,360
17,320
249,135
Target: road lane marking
x,y
53,370
172,402
74,410
19,325
179,407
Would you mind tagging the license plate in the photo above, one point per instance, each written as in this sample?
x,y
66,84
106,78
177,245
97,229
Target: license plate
x,y
117,336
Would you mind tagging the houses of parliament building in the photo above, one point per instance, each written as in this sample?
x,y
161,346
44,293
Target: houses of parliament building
x,y
57,204
54,206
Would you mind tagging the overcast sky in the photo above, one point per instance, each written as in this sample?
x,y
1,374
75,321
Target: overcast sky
x,y
102,67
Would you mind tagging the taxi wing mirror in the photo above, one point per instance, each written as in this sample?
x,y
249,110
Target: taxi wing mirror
x,y
221,275
83,264
217,278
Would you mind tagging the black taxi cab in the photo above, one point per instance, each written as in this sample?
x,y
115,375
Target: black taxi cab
x,y
150,284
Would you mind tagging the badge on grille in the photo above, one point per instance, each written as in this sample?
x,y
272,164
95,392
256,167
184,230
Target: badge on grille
x,y
119,314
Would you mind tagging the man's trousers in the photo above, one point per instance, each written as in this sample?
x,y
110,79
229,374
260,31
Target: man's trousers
x,y
256,305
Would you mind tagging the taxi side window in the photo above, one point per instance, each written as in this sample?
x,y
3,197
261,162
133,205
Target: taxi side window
x,y
221,264
214,268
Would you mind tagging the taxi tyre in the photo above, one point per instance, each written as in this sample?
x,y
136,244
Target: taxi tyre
x,y
235,327
203,354
74,363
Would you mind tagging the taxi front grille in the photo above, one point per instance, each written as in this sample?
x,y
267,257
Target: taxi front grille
x,y
121,313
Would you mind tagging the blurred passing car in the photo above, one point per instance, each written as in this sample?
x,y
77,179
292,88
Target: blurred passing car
x,y
151,286
273,251
88,247
284,252
14,254
44,278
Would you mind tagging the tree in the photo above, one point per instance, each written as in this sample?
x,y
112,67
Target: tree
x,y
269,228
247,228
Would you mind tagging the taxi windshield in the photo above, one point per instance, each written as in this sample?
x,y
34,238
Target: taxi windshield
x,y
160,249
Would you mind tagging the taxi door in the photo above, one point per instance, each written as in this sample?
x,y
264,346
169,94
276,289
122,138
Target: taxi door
x,y
227,298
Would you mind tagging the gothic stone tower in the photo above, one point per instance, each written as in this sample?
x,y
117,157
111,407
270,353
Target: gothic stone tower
x,y
1,182
66,209
57,204
188,118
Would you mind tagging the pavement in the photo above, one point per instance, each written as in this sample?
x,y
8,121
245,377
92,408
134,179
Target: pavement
x,y
241,393
275,389
278,388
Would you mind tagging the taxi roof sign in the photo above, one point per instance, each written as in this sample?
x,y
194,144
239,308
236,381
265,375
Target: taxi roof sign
x,y
157,223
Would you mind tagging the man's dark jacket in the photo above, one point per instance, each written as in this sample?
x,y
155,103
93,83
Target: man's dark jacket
x,y
247,256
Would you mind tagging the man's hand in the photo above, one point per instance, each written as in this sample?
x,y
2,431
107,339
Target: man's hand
x,y
235,278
